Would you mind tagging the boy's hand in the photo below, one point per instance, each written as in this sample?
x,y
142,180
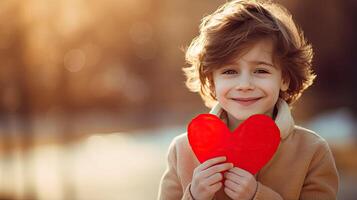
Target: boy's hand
x,y
240,184
206,180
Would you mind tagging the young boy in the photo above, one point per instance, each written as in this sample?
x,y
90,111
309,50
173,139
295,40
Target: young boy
x,y
250,58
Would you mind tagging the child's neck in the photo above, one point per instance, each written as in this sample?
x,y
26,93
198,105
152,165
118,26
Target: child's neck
x,y
233,122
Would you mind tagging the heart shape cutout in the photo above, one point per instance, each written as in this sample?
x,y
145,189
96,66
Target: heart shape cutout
x,y
250,146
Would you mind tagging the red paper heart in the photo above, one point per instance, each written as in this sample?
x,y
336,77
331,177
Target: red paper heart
x,y
250,146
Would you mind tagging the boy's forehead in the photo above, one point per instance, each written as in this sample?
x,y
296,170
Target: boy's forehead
x,y
259,51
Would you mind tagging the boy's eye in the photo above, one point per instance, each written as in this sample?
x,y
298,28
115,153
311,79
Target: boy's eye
x,y
229,71
261,71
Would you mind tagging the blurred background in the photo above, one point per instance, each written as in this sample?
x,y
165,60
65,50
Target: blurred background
x,y
92,92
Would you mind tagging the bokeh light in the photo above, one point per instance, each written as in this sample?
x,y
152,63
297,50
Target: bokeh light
x,y
92,92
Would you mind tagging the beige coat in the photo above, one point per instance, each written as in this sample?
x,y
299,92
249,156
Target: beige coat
x,y
302,168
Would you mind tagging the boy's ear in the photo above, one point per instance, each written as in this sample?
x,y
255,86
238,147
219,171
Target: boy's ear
x,y
285,82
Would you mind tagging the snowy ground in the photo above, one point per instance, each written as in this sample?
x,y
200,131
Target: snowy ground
x,y
111,166
101,166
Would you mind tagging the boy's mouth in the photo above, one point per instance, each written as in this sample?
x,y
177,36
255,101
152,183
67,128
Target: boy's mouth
x,y
246,101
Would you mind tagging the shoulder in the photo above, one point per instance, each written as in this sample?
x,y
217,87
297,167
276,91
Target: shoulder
x,y
180,142
175,148
308,134
181,138
309,139
181,153
304,147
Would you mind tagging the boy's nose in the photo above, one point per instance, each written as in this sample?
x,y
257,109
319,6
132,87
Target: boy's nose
x,y
244,83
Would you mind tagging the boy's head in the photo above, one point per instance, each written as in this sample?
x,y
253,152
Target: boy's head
x,y
232,32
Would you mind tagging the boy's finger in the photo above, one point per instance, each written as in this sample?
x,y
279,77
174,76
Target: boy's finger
x,y
232,176
217,168
217,177
240,172
215,187
211,162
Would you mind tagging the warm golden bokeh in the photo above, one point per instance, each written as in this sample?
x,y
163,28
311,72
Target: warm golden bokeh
x,y
92,92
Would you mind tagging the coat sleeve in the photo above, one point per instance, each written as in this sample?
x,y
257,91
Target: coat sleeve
x,y
170,186
321,182
266,193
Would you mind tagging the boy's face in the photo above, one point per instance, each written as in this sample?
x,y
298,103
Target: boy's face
x,y
251,84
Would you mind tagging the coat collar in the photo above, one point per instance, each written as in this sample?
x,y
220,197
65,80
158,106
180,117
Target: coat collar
x,y
283,119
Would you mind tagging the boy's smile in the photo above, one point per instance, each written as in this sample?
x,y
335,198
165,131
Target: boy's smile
x,y
251,84
246,101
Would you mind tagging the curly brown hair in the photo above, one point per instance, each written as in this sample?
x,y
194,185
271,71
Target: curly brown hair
x,y
232,29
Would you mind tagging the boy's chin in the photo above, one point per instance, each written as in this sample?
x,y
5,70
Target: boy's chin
x,y
238,119
243,116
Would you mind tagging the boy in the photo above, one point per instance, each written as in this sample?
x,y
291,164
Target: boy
x,y
250,58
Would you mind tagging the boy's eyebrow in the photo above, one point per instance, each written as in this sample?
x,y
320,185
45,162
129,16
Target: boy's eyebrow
x,y
254,62
259,62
